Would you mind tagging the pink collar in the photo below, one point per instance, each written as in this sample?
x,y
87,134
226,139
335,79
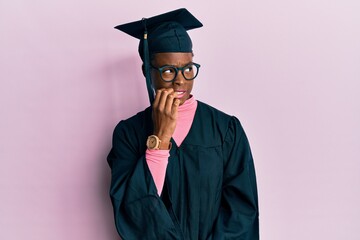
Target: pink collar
x,y
189,106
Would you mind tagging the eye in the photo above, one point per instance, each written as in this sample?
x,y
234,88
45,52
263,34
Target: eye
x,y
188,69
168,70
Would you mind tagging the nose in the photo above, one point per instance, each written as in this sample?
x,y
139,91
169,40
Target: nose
x,y
179,80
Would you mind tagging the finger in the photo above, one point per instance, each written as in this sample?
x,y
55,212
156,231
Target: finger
x,y
157,97
163,98
175,106
170,102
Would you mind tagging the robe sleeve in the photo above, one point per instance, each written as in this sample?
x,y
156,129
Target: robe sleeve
x,y
138,210
238,216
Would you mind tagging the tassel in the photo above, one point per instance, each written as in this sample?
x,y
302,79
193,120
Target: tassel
x,y
147,65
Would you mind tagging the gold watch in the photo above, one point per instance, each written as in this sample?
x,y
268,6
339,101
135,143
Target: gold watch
x,y
153,142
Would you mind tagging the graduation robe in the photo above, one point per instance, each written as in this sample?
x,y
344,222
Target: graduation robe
x,y
210,187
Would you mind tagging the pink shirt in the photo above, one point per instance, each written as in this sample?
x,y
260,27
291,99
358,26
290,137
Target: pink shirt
x,y
157,160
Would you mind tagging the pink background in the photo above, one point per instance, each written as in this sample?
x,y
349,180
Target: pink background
x,y
290,70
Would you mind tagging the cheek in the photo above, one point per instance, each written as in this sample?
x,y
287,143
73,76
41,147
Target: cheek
x,y
156,81
191,84
159,83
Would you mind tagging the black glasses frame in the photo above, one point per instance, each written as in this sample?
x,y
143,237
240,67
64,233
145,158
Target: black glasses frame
x,y
177,69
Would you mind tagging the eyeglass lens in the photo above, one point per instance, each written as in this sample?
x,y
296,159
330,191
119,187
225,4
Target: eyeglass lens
x,y
169,73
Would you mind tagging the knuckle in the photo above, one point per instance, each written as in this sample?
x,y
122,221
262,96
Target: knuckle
x,y
156,109
160,109
158,92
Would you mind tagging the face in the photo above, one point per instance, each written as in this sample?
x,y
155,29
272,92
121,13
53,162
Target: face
x,y
180,85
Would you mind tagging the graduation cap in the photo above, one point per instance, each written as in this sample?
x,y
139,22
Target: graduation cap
x,y
159,34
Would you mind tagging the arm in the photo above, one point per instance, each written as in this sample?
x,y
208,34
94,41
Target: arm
x,y
138,210
164,116
238,216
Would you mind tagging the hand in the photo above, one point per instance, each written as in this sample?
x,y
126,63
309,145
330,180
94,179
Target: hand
x,y
164,114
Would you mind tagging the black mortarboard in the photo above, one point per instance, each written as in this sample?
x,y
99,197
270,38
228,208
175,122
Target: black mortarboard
x,y
161,33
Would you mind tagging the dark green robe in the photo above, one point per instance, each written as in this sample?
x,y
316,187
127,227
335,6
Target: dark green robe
x,y
210,186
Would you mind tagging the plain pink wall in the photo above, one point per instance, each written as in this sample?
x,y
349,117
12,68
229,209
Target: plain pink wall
x,y
290,70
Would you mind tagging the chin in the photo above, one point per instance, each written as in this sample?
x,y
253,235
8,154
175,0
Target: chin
x,y
183,100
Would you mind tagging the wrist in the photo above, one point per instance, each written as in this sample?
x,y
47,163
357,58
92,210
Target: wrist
x,y
155,142
164,145
163,137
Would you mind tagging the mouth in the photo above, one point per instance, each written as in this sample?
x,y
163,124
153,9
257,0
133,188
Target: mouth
x,y
180,93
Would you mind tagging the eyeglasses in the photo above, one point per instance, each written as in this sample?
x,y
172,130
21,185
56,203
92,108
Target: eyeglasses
x,y
169,73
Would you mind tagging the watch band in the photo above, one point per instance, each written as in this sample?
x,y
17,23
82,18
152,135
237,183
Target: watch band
x,y
154,143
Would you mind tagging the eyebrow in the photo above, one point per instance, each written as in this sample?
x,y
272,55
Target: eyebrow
x,y
177,66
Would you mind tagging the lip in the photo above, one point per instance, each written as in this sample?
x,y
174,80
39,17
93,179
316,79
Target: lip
x,y
180,93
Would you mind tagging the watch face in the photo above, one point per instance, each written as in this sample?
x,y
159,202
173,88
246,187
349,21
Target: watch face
x,y
152,142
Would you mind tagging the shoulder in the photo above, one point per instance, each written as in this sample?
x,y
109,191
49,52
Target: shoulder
x,y
212,111
216,122
218,116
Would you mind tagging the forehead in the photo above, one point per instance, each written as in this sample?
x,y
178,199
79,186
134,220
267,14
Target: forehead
x,y
173,58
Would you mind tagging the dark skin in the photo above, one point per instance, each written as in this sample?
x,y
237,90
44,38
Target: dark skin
x,y
169,95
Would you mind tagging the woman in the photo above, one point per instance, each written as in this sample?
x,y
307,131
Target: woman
x,y
181,169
